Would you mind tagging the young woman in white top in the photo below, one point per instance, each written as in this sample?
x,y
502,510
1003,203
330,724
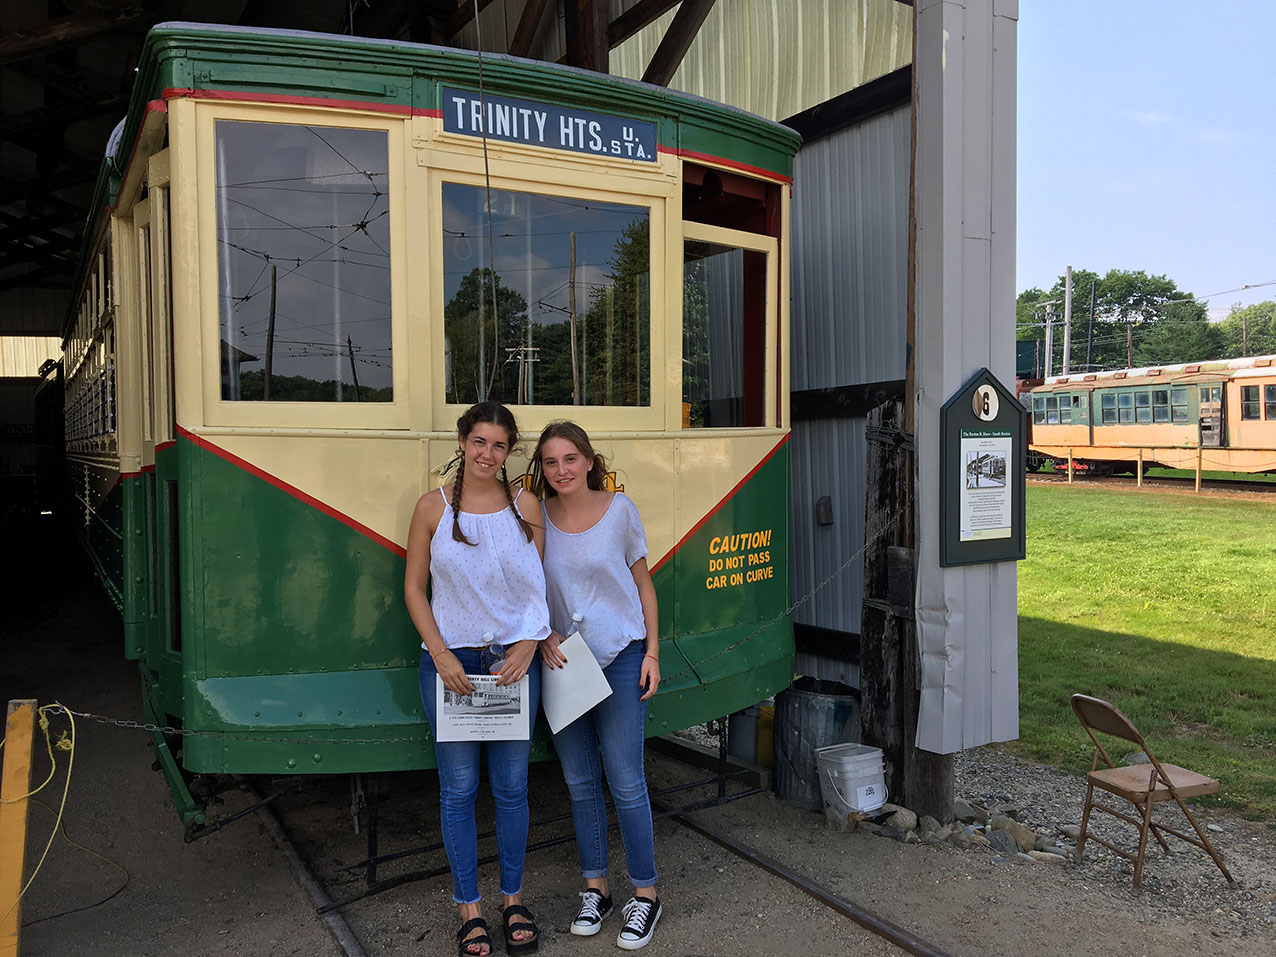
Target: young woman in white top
x,y
597,580
482,558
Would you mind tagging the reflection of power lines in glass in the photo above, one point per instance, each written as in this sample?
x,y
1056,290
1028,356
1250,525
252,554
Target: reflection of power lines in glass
x,y
304,256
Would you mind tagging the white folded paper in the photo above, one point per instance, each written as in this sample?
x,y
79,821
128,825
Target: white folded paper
x,y
570,691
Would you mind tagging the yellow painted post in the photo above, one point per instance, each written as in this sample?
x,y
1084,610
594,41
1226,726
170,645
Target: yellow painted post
x,y
14,785
1139,477
1069,466
1198,468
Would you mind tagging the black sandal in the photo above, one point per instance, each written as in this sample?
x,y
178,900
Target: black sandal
x,y
464,944
513,946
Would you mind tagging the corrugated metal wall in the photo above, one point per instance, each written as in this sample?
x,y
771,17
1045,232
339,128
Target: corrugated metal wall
x,y
22,356
850,286
780,57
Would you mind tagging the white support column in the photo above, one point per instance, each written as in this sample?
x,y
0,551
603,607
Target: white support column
x,y
964,303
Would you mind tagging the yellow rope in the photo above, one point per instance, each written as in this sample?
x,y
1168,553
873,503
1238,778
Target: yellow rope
x,y
64,744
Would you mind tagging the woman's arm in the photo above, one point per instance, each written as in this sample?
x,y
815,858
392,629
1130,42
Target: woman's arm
x,y
425,521
649,678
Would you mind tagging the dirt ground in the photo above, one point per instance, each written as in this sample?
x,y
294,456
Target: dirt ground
x,y
233,892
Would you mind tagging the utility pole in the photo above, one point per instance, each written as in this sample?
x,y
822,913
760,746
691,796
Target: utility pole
x,y
1049,337
1089,341
1067,320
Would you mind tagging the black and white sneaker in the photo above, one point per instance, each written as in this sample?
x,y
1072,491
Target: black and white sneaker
x,y
641,915
594,908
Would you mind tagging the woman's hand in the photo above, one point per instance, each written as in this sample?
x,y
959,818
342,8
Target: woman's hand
x,y
649,678
549,651
518,658
452,672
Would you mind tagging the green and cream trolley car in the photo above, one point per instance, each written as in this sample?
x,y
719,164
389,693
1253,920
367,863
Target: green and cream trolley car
x,y
309,254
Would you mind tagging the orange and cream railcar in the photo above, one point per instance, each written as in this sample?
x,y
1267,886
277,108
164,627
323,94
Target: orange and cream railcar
x,y
1218,415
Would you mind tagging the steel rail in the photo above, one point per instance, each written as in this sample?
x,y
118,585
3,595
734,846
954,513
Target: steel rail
x,y
899,936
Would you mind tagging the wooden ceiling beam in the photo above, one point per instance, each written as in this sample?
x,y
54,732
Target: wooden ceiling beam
x,y
15,191
463,16
635,18
528,24
60,116
586,39
66,32
35,276
677,41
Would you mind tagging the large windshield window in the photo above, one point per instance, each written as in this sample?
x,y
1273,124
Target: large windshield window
x,y
547,299
303,232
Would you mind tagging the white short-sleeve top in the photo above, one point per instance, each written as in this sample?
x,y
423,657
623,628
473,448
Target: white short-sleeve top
x,y
494,587
587,573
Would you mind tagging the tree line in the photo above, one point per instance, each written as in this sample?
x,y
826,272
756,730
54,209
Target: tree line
x,y
1138,320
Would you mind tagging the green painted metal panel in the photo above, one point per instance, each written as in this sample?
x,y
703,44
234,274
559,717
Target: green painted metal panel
x,y
135,493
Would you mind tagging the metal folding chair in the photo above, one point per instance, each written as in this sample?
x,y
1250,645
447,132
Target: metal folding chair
x,y
1143,785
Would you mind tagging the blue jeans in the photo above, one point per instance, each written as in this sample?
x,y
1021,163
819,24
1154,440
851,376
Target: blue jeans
x,y
458,763
616,725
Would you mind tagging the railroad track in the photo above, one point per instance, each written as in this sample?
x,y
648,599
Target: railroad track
x,y
1158,481
337,889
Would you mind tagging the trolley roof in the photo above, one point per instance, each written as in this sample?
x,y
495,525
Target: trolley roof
x,y
1207,371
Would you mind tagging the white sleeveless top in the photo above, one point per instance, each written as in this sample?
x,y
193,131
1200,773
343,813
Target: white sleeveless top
x,y
496,586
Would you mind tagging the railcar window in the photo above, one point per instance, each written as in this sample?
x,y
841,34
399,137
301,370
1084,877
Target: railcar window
x,y
1160,405
1065,410
1107,408
1125,406
1269,401
1249,402
572,286
303,232
1052,410
723,330
1178,405
1080,409
1038,410
1143,406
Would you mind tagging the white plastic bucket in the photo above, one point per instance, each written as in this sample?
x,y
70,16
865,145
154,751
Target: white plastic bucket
x,y
851,780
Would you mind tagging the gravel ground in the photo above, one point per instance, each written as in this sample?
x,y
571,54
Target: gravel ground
x,y
1185,882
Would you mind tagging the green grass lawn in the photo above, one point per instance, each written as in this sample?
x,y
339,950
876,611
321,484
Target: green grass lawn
x,y
1165,605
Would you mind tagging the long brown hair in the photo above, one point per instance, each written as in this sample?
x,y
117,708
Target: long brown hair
x,y
492,413
573,433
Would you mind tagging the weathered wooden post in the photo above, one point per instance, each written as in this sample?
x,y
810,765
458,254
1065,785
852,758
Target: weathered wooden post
x,y
14,785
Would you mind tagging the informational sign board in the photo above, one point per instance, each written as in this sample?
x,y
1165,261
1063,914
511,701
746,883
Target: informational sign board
x,y
544,124
983,464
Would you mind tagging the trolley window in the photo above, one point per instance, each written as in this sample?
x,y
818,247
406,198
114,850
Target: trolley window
x,y
1125,406
572,288
723,335
1249,402
1178,405
1107,408
1269,401
1143,403
1080,408
1038,410
303,233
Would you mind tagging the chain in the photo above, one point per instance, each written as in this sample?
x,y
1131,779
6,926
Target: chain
x,y
885,528
231,736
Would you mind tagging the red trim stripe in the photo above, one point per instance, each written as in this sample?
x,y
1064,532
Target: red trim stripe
x,y
236,96
293,491
164,446
717,508
744,167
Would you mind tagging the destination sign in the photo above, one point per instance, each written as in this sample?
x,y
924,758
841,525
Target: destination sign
x,y
543,124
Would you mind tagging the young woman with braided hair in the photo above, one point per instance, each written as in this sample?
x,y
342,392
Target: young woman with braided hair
x,y
596,568
471,543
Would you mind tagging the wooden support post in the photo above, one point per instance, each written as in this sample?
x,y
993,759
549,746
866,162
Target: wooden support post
x,y
1069,466
1138,478
14,785
890,666
1198,468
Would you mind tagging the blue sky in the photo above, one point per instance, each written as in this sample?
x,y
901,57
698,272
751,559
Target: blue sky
x,y
1147,140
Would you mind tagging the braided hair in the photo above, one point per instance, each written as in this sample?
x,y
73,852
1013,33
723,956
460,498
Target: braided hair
x,y
596,478
492,413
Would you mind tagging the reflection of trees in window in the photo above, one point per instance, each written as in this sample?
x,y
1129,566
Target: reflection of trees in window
x,y
565,269
304,263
